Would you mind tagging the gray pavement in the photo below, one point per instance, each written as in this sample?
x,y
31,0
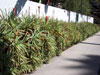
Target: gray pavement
x,y
81,59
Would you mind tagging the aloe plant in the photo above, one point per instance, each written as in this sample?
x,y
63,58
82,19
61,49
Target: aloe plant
x,y
28,42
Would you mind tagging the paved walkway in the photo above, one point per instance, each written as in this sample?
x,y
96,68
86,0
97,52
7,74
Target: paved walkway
x,y
81,59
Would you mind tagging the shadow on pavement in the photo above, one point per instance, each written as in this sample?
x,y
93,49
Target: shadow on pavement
x,y
96,35
89,43
89,66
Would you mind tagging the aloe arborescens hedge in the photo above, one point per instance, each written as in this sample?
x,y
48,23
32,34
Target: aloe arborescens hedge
x,y
28,42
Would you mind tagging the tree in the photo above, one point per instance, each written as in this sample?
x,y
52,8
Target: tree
x,y
80,6
95,10
68,4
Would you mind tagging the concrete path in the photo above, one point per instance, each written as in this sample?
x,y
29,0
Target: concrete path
x,y
81,59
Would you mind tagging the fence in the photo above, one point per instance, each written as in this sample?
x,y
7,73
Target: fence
x,y
25,7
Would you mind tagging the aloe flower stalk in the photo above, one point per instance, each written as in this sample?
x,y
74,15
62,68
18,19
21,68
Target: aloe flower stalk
x,y
13,11
39,10
46,19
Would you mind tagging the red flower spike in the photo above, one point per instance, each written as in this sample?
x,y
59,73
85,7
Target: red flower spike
x,y
39,7
13,11
46,18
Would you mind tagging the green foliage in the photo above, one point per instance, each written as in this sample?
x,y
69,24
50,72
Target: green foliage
x,y
79,6
95,9
28,42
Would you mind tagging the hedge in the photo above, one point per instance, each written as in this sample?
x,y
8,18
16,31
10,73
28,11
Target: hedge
x,y
28,42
